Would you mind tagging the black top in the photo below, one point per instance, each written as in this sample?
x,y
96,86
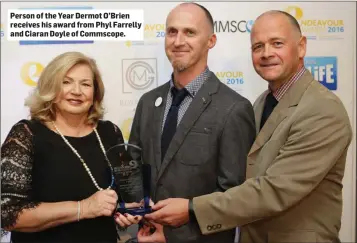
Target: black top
x,y
38,166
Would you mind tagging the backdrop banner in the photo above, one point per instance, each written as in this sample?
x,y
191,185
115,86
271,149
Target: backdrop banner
x,y
131,68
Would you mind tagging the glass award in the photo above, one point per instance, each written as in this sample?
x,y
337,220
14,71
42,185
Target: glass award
x,y
132,179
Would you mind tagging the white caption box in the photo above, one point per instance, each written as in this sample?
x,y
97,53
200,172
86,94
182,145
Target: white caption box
x,y
89,24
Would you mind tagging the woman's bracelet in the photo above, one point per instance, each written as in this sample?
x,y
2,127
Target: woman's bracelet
x,y
78,211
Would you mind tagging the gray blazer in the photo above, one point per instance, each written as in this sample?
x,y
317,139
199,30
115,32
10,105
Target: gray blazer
x,y
207,153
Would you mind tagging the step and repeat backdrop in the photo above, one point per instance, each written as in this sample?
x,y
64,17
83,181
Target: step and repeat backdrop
x,y
131,68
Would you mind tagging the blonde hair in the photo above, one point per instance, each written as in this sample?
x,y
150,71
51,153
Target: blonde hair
x,y
41,101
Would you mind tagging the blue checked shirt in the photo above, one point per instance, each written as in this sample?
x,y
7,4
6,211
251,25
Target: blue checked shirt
x,y
192,89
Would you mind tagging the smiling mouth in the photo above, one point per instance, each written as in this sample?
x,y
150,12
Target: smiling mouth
x,y
268,65
74,101
179,53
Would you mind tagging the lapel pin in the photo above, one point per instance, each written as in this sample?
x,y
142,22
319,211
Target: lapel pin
x,y
204,100
158,101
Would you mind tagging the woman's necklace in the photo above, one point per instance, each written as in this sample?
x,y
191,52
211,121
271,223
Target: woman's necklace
x,y
83,163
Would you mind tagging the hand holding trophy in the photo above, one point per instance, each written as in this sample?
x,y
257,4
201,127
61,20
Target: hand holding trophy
x,y
132,179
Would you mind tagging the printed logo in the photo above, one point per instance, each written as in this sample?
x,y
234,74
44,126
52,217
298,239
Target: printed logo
x,y
154,31
139,74
30,72
324,70
234,79
295,11
317,28
153,35
233,26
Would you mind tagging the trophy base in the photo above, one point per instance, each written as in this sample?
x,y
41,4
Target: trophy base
x,y
135,211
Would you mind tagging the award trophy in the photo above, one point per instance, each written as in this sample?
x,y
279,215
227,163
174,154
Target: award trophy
x,y
132,179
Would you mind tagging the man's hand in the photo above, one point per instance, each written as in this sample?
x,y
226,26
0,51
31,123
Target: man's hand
x,y
149,234
172,211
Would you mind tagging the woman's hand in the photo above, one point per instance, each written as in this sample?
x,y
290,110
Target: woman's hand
x,y
101,203
126,220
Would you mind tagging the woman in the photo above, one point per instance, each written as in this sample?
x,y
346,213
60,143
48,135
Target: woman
x,y
56,180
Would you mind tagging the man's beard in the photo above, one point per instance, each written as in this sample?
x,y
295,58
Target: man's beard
x,y
179,66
